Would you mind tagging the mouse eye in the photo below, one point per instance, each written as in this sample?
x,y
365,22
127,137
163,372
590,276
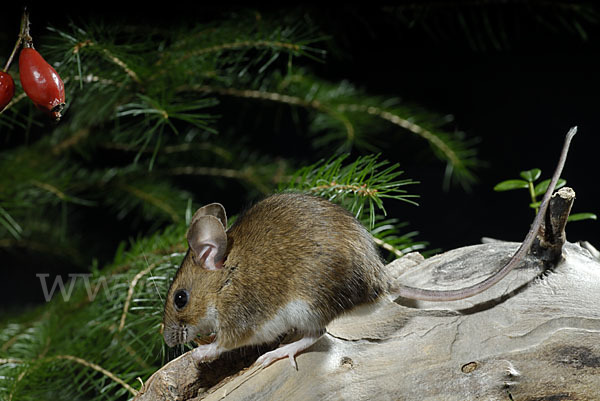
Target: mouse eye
x,y
181,299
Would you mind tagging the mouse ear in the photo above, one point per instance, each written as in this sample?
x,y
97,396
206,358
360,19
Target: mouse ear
x,y
208,241
212,209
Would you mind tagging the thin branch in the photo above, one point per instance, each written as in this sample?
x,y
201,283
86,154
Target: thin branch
x,y
71,141
97,368
245,174
10,360
183,147
362,190
14,101
19,378
408,125
130,292
242,44
50,188
388,247
212,171
60,194
280,98
23,35
152,200
110,56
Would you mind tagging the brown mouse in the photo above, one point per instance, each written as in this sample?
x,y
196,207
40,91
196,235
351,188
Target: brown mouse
x,y
290,262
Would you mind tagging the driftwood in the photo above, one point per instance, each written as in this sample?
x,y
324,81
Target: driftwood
x,y
533,336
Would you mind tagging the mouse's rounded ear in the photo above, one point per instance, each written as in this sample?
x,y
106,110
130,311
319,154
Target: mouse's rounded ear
x,y
213,209
208,241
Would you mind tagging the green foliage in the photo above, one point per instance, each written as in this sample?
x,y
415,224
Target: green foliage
x,y
582,216
539,189
92,343
156,117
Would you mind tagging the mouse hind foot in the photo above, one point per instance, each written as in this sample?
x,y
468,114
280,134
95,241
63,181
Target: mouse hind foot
x,y
289,351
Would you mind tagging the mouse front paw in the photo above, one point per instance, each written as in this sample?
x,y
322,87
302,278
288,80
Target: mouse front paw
x,y
206,352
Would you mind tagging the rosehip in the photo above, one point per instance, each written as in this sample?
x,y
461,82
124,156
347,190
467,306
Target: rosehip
x,y
7,89
41,82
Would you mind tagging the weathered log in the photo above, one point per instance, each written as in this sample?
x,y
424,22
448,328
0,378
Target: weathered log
x,y
533,336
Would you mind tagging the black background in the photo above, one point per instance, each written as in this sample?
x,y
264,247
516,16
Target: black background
x,y
518,100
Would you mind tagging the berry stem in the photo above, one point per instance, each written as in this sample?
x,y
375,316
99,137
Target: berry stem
x,y
24,38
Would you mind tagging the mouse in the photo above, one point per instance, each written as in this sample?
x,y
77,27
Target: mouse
x,y
291,262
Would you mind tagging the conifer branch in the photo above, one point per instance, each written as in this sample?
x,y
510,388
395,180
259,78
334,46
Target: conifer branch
x,y
140,361
122,64
93,79
255,94
71,141
14,101
169,149
388,247
246,174
8,343
285,99
9,360
406,124
50,188
10,224
357,186
19,378
387,234
153,200
132,285
40,246
245,44
97,368
279,98
109,55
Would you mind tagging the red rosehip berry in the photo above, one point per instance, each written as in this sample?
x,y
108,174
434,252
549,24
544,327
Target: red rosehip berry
x,y
7,89
41,82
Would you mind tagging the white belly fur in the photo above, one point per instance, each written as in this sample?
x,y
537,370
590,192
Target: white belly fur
x,y
296,314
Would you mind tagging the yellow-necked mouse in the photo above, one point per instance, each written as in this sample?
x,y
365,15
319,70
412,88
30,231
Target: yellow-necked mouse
x,y
291,261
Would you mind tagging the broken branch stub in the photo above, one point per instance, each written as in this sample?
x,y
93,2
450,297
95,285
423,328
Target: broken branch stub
x,y
551,237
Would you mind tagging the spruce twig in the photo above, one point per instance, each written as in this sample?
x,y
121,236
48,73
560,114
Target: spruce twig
x,y
359,186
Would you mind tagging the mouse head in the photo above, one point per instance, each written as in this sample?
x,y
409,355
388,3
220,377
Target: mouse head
x,y
190,307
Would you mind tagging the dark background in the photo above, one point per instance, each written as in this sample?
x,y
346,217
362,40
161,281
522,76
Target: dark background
x,y
519,101
518,98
